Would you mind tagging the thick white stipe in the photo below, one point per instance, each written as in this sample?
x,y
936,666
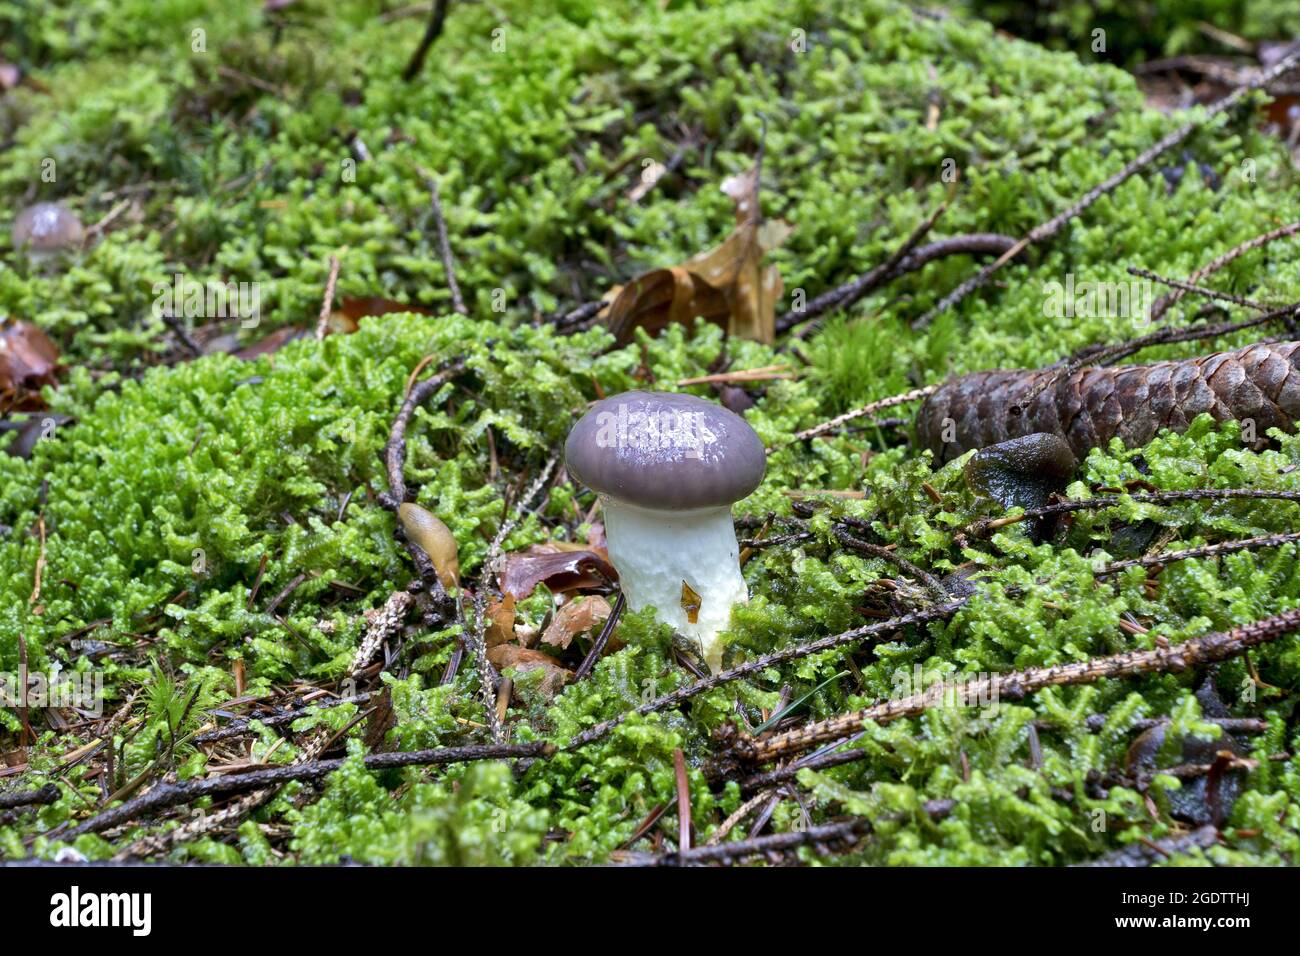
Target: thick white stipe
x,y
655,551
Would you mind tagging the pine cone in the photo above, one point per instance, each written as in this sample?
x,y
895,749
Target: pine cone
x,y
1093,405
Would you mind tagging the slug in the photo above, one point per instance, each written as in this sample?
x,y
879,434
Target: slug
x,y
435,539
1089,407
1022,473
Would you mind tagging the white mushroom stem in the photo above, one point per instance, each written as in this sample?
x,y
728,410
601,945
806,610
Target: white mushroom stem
x,y
654,551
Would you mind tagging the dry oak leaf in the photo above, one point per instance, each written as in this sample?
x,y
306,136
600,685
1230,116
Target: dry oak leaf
x,y
728,285
512,657
577,617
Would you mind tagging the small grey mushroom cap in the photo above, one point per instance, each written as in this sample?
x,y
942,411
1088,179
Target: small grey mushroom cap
x,y
665,451
46,227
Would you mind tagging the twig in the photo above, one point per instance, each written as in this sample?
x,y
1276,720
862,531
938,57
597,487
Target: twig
x,y
848,294
983,526
1171,335
1145,854
1051,227
186,791
40,562
1232,725
1202,290
871,407
117,210
395,450
744,810
323,320
244,725
1208,649
683,801
758,846
474,635
431,33
1163,304
25,798
933,584
444,244
27,736
869,631
1204,551
182,334
284,593
598,646
982,243
571,320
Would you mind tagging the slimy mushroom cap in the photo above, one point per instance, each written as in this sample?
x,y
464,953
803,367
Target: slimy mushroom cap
x,y
667,451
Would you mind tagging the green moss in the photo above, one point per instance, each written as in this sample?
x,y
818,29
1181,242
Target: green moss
x,y
172,486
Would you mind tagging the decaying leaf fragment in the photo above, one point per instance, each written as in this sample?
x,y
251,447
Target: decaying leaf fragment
x,y
691,603
500,621
728,285
560,565
579,616
513,657
28,360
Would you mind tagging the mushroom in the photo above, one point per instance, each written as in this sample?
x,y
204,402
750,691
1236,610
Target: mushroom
x,y
46,228
668,468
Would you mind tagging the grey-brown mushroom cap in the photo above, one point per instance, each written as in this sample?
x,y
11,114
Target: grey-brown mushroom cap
x,y
47,226
666,451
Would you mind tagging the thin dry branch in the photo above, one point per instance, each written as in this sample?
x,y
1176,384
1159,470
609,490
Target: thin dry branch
x,y
598,646
1209,293
983,526
851,541
849,831
433,30
1204,551
876,630
912,260
1150,852
171,794
851,292
444,243
395,450
1208,649
1051,227
26,798
244,725
1163,304
868,409
327,303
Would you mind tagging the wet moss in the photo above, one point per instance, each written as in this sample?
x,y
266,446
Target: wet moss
x,y
171,485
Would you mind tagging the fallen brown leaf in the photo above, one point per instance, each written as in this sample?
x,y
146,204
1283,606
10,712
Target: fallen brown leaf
x,y
28,360
500,621
728,285
559,569
366,306
512,657
577,617
691,603
270,344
